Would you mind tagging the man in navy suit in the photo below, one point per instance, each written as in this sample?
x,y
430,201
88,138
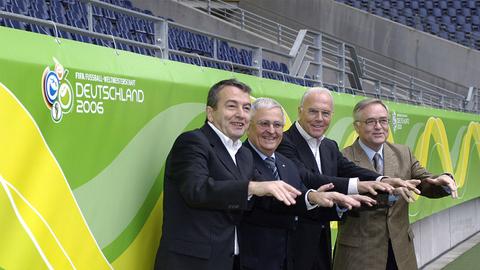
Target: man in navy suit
x,y
207,185
320,162
265,242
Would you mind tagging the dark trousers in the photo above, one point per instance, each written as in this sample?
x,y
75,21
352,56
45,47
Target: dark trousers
x,y
236,262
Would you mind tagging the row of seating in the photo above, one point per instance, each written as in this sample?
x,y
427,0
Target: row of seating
x,y
106,21
456,20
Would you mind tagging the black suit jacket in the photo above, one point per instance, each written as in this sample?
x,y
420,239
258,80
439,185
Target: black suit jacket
x,y
265,231
204,195
312,238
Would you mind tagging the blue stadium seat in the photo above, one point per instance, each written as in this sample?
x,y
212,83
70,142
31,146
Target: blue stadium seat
x,y
423,12
429,5
40,29
466,12
476,19
443,4
460,36
415,5
457,4
452,12
15,24
97,11
446,20
460,20
440,17
408,12
435,28
20,6
467,28
437,12
400,5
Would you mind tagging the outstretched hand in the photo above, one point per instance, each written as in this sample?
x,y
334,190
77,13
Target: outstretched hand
x,y
373,186
278,189
397,182
445,180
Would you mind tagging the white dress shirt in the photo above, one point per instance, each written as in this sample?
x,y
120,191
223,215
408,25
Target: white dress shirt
x,y
314,145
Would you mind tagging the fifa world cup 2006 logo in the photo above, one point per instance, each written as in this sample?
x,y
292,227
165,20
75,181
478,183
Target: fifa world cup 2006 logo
x,y
57,91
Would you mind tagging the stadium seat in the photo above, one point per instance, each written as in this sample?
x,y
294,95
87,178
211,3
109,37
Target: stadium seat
x,y
429,15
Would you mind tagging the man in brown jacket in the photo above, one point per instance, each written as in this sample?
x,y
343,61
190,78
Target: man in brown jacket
x,y
381,238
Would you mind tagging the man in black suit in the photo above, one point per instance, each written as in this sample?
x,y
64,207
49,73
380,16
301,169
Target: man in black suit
x,y
320,162
265,230
207,185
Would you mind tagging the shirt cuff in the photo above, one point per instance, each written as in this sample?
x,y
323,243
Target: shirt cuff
x,y
353,186
380,178
307,203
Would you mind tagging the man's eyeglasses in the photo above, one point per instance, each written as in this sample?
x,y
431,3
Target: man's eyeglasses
x,y
372,122
264,124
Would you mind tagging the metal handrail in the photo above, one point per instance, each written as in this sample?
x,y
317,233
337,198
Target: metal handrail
x,y
371,68
333,59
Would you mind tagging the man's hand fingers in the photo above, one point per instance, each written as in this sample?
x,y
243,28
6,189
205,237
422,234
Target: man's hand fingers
x,y
344,200
401,192
365,200
278,189
388,188
414,182
454,194
411,199
321,198
326,187
414,189
289,188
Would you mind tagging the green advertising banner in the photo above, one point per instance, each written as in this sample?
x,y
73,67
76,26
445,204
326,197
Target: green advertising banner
x,y
85,132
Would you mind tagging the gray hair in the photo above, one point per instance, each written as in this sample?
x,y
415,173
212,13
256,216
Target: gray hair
x,y
265,103
365,103
318,90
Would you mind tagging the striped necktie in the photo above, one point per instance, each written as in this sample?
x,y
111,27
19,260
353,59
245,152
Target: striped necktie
x,y
270,161
377,163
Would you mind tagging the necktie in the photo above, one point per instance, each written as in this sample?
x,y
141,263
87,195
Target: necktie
x,y
377,163
270,161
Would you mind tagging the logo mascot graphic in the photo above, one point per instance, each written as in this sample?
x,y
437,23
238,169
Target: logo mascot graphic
x,y
57,91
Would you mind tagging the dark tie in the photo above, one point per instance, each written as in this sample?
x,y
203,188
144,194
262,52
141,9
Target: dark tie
x,y
270,161
377,163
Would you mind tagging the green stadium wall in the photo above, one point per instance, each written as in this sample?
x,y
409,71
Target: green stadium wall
x,y
85,131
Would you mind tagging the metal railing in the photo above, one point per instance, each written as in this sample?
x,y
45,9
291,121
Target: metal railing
x,y
325,54
387,82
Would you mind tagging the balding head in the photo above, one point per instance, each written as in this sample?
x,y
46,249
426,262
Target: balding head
x,y
315,111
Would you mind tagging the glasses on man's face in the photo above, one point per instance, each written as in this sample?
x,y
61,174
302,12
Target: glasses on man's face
x,y
264,124
372,122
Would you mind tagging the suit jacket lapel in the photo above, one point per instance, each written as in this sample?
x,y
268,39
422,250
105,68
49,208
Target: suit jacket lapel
x,y
389,168
221,151
242,165
281,167
306,154
260,166
326,169
360,157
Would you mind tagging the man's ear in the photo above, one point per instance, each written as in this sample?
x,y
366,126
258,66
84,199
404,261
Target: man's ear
x,y
355,126
209,111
